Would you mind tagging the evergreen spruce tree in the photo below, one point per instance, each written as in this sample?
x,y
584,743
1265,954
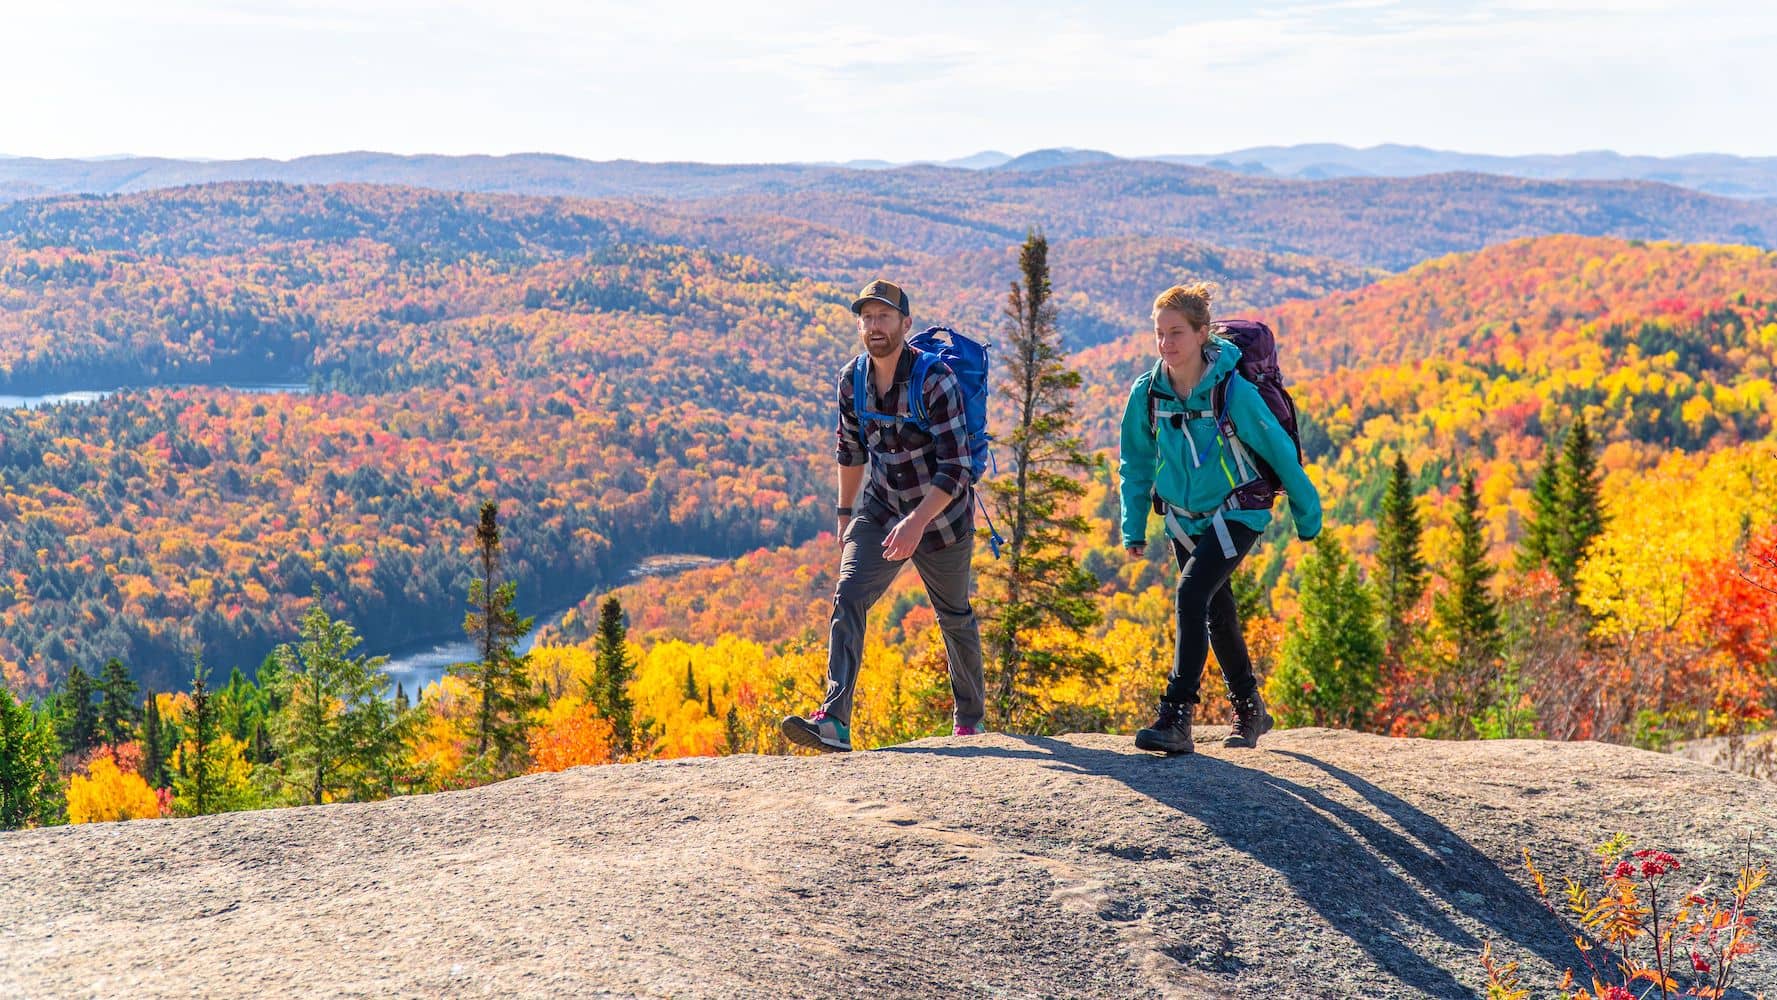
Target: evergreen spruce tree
x,y
154,745
1567,511
690,682
1545,512
52,803
1332,653
238,706
1578,497
28,754
200,769
735,737
1401,572
500,678
609,690
1037,585
338,735
263,752
212,773
118,714
77,723
1466,619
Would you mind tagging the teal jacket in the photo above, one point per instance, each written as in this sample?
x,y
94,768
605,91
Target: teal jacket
x,y
1163,462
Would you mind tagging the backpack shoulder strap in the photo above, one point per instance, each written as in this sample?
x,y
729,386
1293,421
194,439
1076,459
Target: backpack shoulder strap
x,y
1218,403
916,387
860,387
1243,458
1158,372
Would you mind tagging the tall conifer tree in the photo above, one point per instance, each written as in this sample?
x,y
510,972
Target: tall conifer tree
x,y
1545,514
1332,654
1401,571
1038,584
609,688
200,769
1578,497
154,745
1466,617
500,678
118,714
338,734
77,721
28,752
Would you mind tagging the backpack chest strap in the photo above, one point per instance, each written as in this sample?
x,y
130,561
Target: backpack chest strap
x,y
917,413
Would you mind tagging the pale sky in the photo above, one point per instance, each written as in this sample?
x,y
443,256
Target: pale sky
x,y
801,80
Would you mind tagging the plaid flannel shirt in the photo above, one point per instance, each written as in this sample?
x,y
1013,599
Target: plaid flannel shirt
x,y
906,462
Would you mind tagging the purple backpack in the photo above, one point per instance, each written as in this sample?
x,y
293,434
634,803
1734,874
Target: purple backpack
x,y
1258,365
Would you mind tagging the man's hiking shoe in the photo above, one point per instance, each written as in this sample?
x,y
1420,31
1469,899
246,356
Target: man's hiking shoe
x,y
1251,721
966,731
817,732
1171,731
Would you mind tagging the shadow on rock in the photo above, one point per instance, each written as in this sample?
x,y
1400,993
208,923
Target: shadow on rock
x,y
1372,883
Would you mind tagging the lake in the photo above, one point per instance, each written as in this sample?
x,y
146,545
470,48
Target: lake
x,y
94,395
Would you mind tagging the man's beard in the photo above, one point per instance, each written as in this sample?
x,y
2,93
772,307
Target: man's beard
x,y
888,347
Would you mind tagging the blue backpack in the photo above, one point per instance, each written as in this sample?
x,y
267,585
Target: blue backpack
x,y
968,362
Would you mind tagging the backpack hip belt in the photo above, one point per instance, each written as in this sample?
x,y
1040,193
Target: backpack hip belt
x,y
1175,528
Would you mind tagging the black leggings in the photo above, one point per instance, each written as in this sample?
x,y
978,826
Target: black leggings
x,y
1207,617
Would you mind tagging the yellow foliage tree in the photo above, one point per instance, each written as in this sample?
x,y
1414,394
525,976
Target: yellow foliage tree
x,y
439,750
563,670
106,793
1696,506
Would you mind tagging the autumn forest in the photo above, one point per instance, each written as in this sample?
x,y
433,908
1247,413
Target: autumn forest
x,y
1541,417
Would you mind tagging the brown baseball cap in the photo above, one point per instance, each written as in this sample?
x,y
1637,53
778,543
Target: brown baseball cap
x,y
883,291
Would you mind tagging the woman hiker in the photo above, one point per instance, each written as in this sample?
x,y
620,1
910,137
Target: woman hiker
x,y
1178,461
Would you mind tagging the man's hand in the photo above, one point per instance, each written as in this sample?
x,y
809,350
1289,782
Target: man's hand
x,y
844,522
1137,550
904,537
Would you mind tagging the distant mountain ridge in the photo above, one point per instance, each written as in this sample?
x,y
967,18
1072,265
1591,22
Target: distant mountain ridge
x,y
554,174
1389,223
1714,173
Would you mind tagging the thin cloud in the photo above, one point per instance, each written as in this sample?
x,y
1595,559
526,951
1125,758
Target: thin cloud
x,y
788,81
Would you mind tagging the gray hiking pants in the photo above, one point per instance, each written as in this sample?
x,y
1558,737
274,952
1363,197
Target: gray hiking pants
x,y
863,577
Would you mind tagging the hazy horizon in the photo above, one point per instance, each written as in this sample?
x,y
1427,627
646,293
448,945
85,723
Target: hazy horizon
x,y
12,154
703,82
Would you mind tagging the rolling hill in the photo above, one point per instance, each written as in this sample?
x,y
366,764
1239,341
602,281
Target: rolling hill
x,y
613,370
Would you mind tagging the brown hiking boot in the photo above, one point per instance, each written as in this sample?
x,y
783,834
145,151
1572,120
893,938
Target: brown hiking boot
x,y
1250,721
1171,731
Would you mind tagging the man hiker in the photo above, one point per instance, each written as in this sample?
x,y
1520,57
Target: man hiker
x,y
914,504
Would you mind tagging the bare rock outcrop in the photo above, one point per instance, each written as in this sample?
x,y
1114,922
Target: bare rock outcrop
x,y
1324,864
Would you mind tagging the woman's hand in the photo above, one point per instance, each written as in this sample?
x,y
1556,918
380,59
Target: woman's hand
x,y
1136,551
